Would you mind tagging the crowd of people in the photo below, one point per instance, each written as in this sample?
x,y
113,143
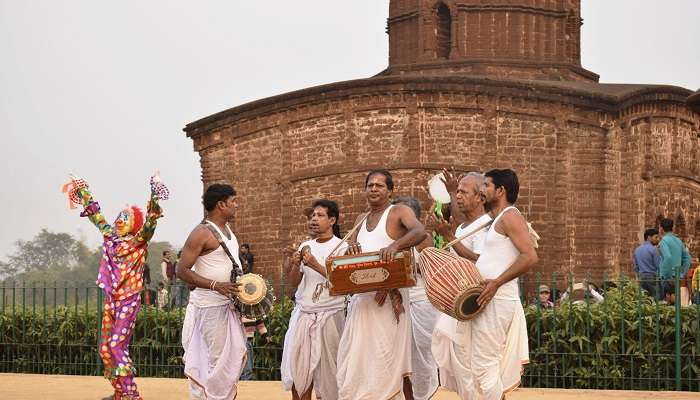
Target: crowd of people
x,y
386,344
378,345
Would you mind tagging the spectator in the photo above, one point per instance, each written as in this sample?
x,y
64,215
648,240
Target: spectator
x,y
162,296
247,258
696,285
646,262
674,257
581,292
544,297
250,327
147,300
668,293
167,267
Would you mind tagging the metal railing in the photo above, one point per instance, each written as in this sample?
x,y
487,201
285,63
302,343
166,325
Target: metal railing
x,y
627,340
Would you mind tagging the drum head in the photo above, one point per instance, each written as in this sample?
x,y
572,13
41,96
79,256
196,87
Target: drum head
x,y
466,306
252,290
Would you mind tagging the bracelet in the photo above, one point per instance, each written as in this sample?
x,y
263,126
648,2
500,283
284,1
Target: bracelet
x,y
212,285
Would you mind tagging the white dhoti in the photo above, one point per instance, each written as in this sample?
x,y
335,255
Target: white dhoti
x,y
375,351
424,379
314,352
483,358
285,367
215,351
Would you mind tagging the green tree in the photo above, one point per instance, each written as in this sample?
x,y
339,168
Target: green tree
x,y
46,250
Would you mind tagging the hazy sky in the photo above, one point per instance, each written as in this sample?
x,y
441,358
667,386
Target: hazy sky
x,y
103,89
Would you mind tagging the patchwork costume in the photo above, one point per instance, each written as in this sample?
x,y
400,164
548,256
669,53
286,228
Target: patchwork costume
x,y
120,277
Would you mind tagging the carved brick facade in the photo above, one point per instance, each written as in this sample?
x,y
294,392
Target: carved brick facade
x,y
598,163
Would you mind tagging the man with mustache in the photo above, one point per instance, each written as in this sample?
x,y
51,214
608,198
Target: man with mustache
x,y
450,335
374,358
318,325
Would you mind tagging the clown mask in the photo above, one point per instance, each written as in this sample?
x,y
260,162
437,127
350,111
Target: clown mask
x,y
129,221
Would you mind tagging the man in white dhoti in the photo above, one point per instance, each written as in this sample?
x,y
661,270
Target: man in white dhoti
x,y
449,335
495,342
374,358
212,335
291,271
314,334
424,380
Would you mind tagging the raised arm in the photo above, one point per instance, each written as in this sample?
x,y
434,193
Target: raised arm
x,y
91,209
153,211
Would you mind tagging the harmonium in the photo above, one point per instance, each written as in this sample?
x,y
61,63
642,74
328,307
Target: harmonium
x,y
366,272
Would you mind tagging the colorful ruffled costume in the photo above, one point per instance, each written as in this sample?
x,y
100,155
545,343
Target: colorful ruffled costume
x,y
120,278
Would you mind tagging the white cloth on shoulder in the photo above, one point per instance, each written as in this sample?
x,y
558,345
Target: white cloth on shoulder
x,y
215,351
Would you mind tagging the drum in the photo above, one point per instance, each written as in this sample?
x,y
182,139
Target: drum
x,y
366,272
452,283
256,297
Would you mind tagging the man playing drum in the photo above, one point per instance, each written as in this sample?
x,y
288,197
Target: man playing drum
x,y
318,325
212,335
496,339
450,335
374,357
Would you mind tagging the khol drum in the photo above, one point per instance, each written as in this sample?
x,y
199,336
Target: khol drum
x,y
452,283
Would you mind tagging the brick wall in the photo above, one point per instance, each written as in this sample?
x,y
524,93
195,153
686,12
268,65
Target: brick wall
x,y
593,174
537,39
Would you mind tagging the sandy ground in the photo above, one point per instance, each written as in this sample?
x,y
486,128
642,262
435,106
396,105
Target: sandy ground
x,y
66,387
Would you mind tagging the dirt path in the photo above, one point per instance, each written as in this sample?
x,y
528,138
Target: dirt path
x,y
66,387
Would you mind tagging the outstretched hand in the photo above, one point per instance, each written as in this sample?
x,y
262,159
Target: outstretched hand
x,y
450,179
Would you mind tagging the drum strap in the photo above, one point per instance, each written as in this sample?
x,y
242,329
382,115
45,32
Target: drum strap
x,y
237,270
468,234
352,231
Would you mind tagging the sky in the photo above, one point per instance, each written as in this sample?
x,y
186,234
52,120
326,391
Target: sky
x,y
103,89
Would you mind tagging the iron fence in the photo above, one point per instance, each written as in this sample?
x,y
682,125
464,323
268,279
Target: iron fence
x,y
612,335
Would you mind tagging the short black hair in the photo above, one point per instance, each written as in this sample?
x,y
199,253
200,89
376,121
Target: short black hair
x,y
215,193
668,288
387,177
667,224
246,245
508,180
332,210
409,201
650,232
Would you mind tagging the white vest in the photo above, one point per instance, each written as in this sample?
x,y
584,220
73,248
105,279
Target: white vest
x,y
496,257
311,279
216,266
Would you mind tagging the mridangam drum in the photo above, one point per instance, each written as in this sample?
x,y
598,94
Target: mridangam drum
x,y
452,283
255,298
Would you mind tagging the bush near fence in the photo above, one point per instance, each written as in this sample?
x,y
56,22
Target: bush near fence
x,y
626,342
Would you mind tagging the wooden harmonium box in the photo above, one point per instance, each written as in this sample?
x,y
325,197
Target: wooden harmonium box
x,y
366,272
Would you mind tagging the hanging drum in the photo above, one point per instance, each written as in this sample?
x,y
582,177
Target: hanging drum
x,y
255,298
452,283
